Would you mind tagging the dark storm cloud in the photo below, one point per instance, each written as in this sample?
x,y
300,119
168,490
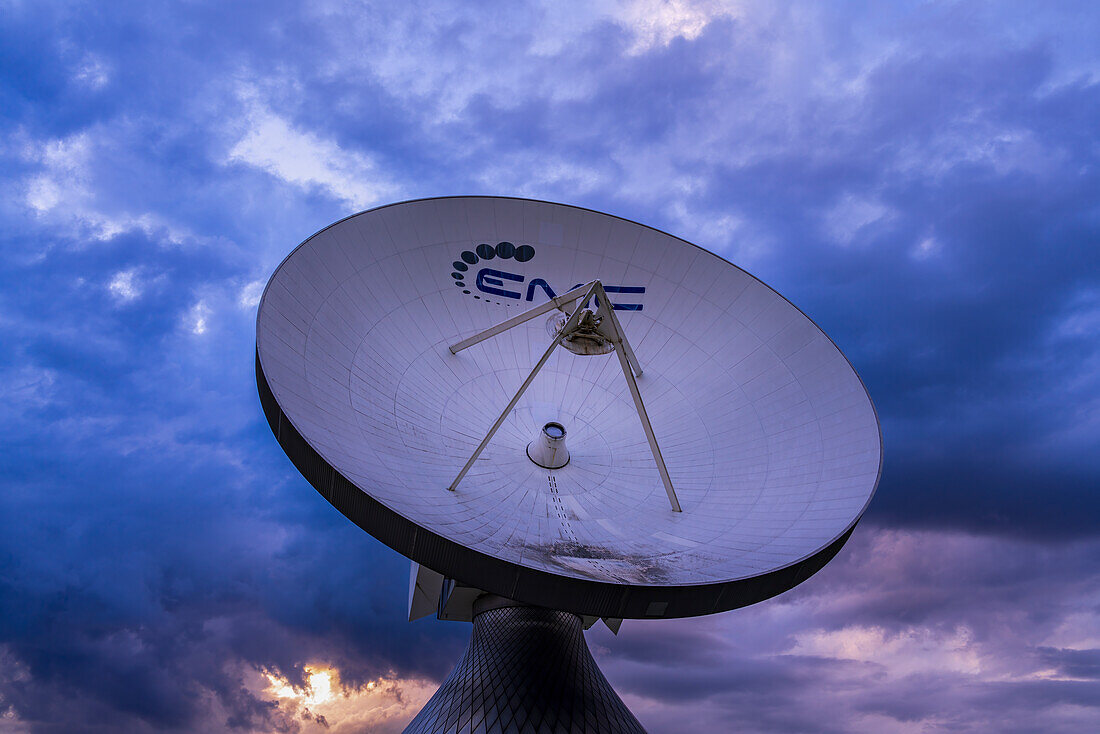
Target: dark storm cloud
x,y
903,628
961,344
922,183
148,534
1073,663
938,223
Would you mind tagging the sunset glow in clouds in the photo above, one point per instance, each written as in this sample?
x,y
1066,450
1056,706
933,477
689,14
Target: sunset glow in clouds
x,y
920,178
324,703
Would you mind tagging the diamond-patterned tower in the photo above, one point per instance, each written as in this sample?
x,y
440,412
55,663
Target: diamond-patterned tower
x,y
526,670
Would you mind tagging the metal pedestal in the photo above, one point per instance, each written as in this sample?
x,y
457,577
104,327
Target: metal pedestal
x,y
527,670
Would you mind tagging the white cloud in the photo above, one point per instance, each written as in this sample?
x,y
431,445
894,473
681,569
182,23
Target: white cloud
x,y
125,285
66,190
727,233
64,161
93,72
196,319
1078,631
544,176
851,214
926,248
976,140
304,159
656,23
250,294
913,650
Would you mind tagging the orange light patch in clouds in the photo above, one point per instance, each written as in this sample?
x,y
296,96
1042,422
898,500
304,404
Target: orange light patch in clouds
x,y
325,704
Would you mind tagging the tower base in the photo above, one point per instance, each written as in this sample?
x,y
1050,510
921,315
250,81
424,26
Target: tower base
x,y
526,670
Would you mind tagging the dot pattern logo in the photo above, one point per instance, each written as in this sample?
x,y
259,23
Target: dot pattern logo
x,y
485,251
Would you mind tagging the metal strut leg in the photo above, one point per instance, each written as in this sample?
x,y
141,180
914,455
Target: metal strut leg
x,y
579,292
569,325
624,353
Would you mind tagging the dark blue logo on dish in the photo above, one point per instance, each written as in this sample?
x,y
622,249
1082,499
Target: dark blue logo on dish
x,y
495,282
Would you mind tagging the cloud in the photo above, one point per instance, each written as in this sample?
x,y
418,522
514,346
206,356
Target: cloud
x,y
303,159
850,215
159,554
65,161
902,632
906,652
93,72
656,23
250,294
196,318
325,704
66,187
125,285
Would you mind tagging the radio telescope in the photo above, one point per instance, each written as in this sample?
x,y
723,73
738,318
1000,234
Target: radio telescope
x,y
560,417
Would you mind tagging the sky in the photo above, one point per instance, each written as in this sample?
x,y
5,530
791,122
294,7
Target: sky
x,y
921,178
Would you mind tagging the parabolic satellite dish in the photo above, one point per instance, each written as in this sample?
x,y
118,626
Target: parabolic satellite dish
x,y
695,443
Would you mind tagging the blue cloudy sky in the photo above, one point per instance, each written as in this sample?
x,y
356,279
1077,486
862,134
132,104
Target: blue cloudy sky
x,y
922,178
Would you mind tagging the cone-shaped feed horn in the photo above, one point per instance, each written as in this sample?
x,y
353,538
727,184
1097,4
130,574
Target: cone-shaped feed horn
x,y
548,449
